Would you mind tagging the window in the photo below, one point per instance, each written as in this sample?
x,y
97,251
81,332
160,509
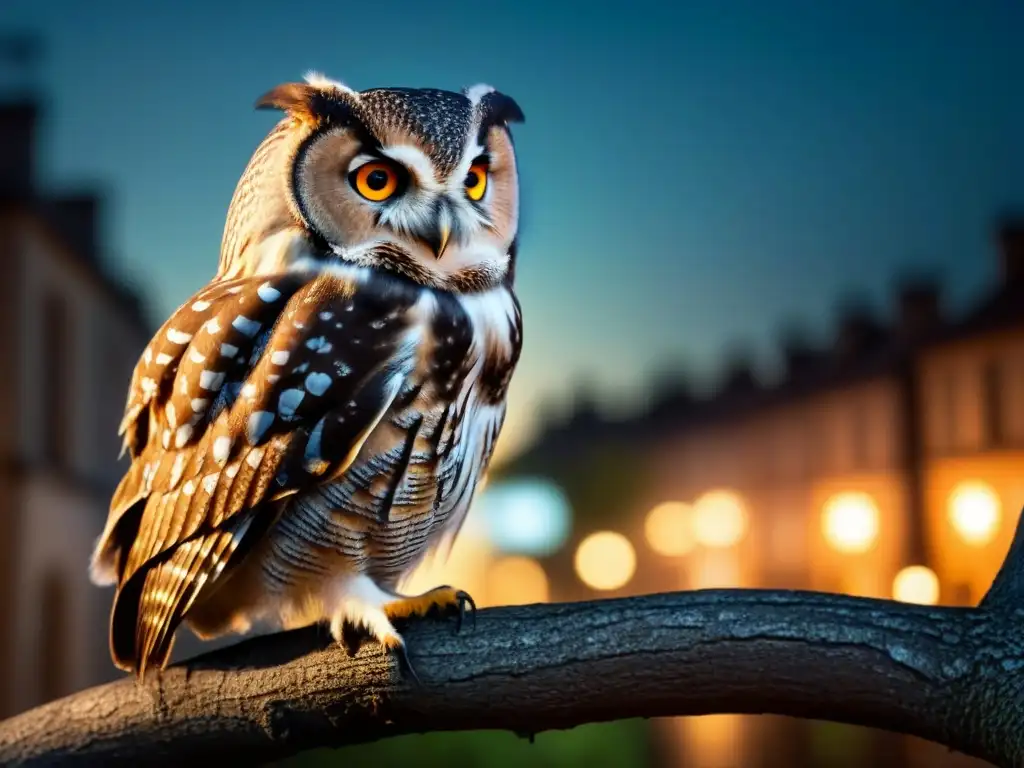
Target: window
x,y
57,379
859,417
54,635
992,403
949,439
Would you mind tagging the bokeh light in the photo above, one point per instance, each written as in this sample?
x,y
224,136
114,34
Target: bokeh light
x,y
669,529
529,516
975,512
850,522
516,580
719,519
605,560
916,584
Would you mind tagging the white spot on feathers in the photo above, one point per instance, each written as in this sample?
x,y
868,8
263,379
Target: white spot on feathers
x,y
317,383
210,482
182,435
245,326
211,380
268,293
257,425
254,458
221,449
212,326
177,468
163,358
288,402
280,357
148,385
200,306
319,344
178,337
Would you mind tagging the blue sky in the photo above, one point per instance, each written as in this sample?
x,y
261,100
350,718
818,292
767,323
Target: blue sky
x,y
693,176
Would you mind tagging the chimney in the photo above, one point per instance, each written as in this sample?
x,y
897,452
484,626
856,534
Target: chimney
x,y
77,219
738,372
798,354
918,309
18,123
1011,250
857,332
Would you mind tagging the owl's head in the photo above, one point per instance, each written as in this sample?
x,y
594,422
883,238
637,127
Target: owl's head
x,y
420,182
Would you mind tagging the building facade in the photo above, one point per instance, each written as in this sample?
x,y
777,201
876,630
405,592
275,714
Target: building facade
x,y
890,464
70,338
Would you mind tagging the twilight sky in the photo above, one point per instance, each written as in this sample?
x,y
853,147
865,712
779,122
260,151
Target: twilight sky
x,y
693,176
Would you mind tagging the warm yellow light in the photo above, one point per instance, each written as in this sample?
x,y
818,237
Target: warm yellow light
x,y
916,584
975,512
719,519
850,522
517,581
605,560
669,528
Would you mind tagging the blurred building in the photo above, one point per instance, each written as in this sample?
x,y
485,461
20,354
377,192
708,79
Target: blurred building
x,y
69,337
888,464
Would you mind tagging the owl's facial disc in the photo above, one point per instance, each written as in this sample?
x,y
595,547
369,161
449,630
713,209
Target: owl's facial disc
x,y
411,202
388,202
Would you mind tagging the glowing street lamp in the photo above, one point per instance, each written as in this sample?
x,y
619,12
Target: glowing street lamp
x,y
516,580
916,584
850,522
975,512
605,560
669,529
719,519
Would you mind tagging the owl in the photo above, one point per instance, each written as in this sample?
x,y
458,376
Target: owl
x,y
316,419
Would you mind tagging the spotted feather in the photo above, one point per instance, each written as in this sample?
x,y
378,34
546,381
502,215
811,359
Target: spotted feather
x,y
311,366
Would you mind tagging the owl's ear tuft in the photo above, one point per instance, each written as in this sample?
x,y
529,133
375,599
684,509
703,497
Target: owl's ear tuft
x,y
499,108
309,102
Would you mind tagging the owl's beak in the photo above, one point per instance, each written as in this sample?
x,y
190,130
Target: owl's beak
x,y
444,231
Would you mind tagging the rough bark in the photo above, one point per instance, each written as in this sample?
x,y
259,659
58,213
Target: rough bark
x,y
951,675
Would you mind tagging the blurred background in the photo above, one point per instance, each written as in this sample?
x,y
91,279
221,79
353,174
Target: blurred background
x,y
772,271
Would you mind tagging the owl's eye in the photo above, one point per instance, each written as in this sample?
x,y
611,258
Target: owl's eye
x,y
476,181
375,181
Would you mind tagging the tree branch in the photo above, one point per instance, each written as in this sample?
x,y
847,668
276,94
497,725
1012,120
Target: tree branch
x,y
951,675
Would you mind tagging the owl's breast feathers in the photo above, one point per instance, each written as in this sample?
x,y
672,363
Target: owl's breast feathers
x,y
267,388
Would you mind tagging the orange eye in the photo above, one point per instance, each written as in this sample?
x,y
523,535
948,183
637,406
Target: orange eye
x,y
476,182
375,181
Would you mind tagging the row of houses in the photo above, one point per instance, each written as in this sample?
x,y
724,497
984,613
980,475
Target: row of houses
x,y
889,463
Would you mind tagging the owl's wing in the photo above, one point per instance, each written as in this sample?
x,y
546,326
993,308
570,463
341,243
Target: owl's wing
x,y
253,390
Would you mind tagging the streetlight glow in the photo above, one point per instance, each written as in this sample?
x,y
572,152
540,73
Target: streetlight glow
x,y
916,584
605,560
516,580
975,512
850,522
669,529
719,519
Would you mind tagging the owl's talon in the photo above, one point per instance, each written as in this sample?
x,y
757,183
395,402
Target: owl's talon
x,y
405,662
397,646
352,639
465,599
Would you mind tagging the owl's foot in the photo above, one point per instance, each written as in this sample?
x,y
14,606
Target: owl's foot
x,y
360,615
444,601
